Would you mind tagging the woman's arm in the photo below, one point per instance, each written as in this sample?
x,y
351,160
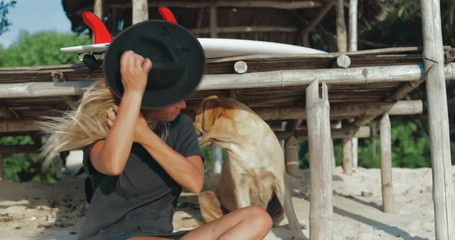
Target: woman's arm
x,y
109,156
186,171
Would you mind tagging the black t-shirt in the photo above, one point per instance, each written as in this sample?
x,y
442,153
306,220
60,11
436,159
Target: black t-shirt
x,y
142,200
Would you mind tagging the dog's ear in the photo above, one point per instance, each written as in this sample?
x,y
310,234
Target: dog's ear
x,y
211,111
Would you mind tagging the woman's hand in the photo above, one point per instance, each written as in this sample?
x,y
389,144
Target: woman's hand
x,y
110,156
134,69
140,130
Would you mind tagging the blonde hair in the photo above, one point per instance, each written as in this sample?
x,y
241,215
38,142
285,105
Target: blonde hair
x,y
81,126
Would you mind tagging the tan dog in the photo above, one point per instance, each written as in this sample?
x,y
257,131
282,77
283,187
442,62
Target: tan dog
x,y
254,173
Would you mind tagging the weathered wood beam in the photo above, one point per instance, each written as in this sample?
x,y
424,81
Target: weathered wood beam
x,y
343,61
362,132
6,113
298,113
303,77
341,111
357,75
235,4
399,93
18,126
295,124
21,127
13,149
241,29
43,89
345,110
18,133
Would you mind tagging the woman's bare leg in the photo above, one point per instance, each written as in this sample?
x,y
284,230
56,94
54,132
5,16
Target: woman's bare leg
x,y
248,223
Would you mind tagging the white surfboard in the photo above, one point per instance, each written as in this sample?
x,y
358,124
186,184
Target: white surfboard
x,y
220,48
225,47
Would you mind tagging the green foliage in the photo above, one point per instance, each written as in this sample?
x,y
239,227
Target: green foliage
x,y
206,152
304,154
24,166
42,48
413,150
35,50
410,148
4,10
401,27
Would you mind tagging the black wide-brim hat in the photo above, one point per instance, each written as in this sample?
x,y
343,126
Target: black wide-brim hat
x,y
177,56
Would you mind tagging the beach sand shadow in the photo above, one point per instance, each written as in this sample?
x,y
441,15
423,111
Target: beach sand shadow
x,y
391,230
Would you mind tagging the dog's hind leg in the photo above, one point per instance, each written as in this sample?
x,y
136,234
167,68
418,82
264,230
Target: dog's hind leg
x,y
210,206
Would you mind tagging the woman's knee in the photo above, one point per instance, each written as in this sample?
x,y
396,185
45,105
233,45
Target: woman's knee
x,y
259,216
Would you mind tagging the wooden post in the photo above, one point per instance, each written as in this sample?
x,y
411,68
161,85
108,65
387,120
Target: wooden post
x,y
2,168
443,195
342,47
386,164
341,27
352,46
213,20
292,156
320,145
217,153
353,5
347,156
140,10
98,8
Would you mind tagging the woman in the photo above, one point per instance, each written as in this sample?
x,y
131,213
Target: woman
x,y
138,161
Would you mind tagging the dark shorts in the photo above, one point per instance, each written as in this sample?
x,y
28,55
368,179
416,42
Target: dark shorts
x,y
124,236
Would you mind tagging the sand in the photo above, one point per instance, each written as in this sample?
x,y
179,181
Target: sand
x,y
55,211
